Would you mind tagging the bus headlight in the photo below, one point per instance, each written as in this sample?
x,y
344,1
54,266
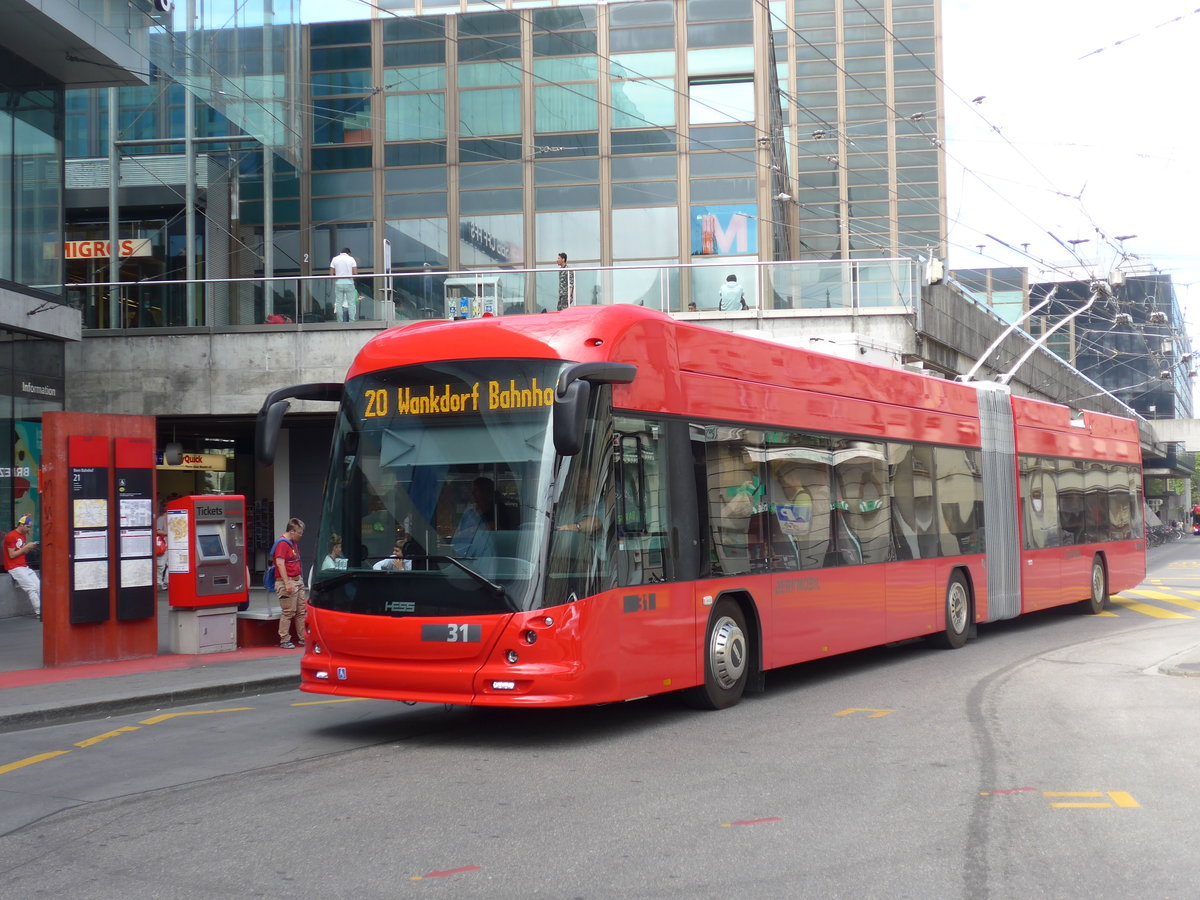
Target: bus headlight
x,y
511,656
530,636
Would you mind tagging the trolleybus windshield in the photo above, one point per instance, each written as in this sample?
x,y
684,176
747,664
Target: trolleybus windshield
x,y
449,466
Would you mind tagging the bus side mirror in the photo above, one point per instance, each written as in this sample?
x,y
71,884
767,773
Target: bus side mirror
x,y
266,426
571,397
570,417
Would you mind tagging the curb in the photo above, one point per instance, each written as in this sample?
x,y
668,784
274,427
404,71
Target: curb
x,y
1188,670
76,712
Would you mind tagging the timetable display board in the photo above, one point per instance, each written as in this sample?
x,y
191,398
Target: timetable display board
x,y
89,464
134,480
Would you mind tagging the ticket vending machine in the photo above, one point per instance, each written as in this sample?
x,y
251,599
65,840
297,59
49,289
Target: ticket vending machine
x,y
206,569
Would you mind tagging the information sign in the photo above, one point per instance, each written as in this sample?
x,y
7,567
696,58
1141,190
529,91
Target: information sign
x,y
89,462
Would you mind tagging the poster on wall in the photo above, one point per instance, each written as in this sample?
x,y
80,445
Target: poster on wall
x,y
178,542
27,460
729,229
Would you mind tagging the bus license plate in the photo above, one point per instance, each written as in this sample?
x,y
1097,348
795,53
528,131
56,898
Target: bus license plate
x,y
452,633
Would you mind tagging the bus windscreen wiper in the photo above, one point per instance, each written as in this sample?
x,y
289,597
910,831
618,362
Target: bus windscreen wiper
x,y
499,589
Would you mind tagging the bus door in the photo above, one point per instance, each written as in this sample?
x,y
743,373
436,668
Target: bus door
x,y
913,595
1045,540
828,524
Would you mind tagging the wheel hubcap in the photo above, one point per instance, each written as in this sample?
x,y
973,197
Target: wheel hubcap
x,y
1097,584
727,654
956,605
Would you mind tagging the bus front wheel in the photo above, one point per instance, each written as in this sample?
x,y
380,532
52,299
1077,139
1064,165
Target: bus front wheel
x,y
1097,599
726,660
958,615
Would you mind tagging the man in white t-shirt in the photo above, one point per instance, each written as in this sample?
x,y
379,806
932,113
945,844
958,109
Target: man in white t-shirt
x,y
344,267
731,295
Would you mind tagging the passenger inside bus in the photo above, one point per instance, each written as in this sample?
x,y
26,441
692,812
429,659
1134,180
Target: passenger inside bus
x,y
487,513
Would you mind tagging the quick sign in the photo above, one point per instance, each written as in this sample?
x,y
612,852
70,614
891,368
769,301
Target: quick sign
x,y
208,462
102,249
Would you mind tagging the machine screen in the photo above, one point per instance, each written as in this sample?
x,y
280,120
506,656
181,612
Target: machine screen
x,y
210,546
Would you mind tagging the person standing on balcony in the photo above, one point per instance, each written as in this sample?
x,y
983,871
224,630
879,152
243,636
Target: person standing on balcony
x,y
344,267
566,283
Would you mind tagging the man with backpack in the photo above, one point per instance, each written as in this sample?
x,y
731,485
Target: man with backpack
x,y
289,585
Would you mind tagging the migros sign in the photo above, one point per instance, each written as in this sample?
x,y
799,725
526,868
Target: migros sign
x,y
102,249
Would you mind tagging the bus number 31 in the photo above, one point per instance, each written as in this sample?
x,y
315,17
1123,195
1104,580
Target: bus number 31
x,y
452,633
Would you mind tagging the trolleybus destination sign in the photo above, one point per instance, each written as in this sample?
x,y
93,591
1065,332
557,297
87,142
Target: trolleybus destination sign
x,y
482,396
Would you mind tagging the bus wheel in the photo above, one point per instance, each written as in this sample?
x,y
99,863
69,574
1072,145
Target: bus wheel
x,y
1097,599
958,615
726,660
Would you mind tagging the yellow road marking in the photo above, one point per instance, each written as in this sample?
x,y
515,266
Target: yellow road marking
x,y
1167,598
338,700
875,713
196,712
108,734
90,742
31,760
1147,610
1111,615
1120,799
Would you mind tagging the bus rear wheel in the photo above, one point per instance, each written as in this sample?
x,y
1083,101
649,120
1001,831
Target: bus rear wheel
x,y
958,615
726,660
1097,600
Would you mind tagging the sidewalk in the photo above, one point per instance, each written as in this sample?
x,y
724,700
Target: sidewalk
x,y
31,696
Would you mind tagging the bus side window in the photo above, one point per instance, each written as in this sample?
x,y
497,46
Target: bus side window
x,y
640,546
736,502
914,535
959,494
801,505
863,502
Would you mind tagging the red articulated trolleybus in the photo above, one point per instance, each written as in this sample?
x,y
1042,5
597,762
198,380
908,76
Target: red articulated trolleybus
x,y
604,503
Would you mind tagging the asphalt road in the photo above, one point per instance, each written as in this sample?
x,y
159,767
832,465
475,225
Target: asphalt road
x,y
1048,758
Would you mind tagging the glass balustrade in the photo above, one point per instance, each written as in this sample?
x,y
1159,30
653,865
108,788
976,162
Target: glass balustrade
x,y
738,289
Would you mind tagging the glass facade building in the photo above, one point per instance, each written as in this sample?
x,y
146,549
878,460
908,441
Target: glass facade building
x,y
42,52
497,135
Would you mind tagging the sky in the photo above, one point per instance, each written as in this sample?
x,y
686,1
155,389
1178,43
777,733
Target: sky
x,y
1087,130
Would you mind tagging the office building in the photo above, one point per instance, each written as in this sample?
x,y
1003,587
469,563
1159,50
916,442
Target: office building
x,y
480,137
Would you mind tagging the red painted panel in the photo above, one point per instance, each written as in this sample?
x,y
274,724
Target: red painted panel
x,y
82,440
913,600
88,450
134,453
1040,578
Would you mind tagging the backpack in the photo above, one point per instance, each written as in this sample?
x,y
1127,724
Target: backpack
x,y
271,573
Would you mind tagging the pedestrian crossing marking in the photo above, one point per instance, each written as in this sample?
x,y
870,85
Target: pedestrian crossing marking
x,y
1146,609
1167,598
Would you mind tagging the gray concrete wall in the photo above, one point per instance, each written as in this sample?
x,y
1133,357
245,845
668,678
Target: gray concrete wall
x,y
13,601
200,373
